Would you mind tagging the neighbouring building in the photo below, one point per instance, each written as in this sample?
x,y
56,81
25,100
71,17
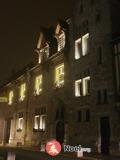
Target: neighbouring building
x,y
72,92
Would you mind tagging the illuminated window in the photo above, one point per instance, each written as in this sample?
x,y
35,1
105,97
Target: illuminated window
x,y
82,46
43,54
38,85
20,123
10,99
78,48
86,86
59,75
36,122
39,58
78,88
61,41
40,122
82,87
22,91
85,44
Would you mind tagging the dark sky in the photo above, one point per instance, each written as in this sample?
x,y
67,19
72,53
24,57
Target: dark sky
x,y
20,23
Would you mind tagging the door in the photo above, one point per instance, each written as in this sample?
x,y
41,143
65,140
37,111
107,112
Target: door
x,y
105,134
60,131
7,135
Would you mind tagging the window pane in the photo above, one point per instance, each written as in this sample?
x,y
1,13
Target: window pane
x,y
36,122
78,48
59,75
85,44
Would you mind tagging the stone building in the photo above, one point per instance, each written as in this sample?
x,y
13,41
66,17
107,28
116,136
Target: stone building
x,y
70,92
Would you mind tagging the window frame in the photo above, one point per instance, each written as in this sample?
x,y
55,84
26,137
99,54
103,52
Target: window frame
x,y
10,97
38,88
22,92
58,82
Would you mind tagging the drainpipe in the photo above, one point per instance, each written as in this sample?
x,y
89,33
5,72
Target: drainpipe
x,y
27,103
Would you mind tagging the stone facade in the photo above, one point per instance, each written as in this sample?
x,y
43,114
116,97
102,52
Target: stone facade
x,y
81,108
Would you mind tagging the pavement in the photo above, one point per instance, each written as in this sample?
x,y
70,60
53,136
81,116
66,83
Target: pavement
x,y
30,154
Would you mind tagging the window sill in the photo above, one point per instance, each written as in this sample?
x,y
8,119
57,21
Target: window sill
x,y
58,87
19,130
82,96
38,130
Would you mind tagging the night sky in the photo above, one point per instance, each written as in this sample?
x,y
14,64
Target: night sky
x,y
20,23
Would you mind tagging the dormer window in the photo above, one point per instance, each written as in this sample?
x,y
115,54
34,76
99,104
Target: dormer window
x,y
22,91
59,75
43,54
61,41
38,85
10,98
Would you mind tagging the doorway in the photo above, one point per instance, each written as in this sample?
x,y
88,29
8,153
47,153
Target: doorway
x,y
60,131
7,134
105,134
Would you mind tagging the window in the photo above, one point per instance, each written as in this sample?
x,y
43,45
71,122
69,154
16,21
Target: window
x,y
87,115
36,122
59,75
78,48
22,91
61,41
99,55
98,16
40,122
92,2
20,123
98,97
105,96
10,98
78,88
85,44
82,87
39,58
82,45
86,86
38,85
79,116
117,66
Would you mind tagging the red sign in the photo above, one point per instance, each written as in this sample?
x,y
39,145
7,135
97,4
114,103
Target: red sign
x,y
53,148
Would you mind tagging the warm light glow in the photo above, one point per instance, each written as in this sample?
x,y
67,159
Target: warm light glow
x,y
39,58
10,99
85,43
59,75
78,48
86,86
36,122
38,85
40,122
20,123
61,41
78,86
22,91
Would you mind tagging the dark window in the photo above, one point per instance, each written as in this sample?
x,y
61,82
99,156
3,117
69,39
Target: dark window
x,y
105,97
79,116
99,55
81,7
92,2
98,97
87,115
98,17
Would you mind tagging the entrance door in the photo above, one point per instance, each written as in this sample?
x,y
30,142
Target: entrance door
x,y
105,134
60,131
7,135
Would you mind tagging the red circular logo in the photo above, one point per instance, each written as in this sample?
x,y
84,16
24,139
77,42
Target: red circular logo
x,y
53,148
